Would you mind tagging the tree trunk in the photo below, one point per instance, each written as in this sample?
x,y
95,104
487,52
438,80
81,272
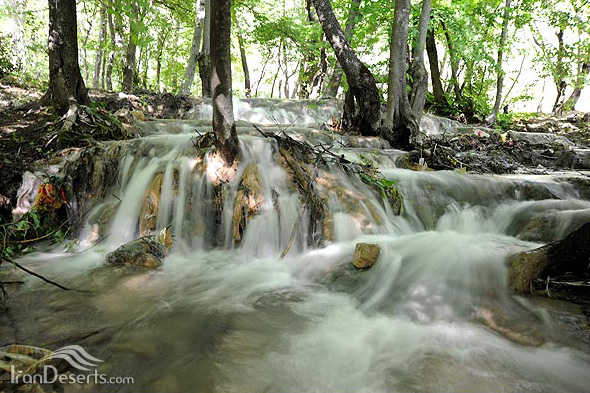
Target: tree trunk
x,y
336,79
247,87
454,64
113,51
204,58
584,71
162,35
100,50
400,125
500,79
65,80
191,67
224,127
361,82
103,72
437,87
418,69
129,66
560,72
84,51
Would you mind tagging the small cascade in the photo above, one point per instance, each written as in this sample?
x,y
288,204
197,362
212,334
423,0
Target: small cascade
x,y
259,294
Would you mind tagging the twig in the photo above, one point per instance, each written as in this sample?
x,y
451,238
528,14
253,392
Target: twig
x,y
32,273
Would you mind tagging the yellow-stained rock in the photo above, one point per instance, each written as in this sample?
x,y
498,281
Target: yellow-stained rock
x,y
365,255
148,215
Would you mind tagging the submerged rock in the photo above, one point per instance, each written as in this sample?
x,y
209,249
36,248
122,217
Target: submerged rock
x,y
569,255
365,255
145,252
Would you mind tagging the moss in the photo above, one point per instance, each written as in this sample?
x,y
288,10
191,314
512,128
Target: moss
x,y
524,268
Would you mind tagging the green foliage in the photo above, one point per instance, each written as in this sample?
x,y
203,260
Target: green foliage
x,y
6,49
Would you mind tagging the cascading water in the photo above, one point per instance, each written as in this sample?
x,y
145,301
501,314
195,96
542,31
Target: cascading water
x,y
225,313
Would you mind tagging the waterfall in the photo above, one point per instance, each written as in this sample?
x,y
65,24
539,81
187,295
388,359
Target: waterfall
x,y
259,294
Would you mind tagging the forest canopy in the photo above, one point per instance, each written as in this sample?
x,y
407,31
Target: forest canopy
x,y
280,50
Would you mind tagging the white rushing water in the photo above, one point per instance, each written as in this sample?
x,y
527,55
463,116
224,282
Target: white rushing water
x,y
226,317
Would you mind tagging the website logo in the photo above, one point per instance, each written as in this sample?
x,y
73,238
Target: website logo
x,y
68,365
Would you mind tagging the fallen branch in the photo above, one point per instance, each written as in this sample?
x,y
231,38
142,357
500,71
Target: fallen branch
x,y
32,273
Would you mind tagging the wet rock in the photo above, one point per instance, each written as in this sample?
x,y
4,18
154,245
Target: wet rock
x,y
248,200
145,252
148,216
365,255
540,138
138,115
569,255
519,328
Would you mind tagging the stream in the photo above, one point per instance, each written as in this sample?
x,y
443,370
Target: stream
x,y
226,317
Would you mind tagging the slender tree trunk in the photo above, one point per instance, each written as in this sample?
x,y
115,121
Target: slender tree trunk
x,y
540,105
437,87
129,66
224,127
400,125
266,60
454,64
418,69
204,58
84,64
336,79
247,87
113,51
163,34
103,72
560,72
191,67
146,64
65,80
361,82
583,72
500,72
100,50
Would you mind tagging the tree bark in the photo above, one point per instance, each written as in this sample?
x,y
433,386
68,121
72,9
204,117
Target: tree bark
x,y
572,101
361,82
336,79
113,51
437,87
204,58
84,52
400,125
454,64
560,82
224,126
162,35
100,50
500,78
65,80
191,67
418,69
129,66
247,87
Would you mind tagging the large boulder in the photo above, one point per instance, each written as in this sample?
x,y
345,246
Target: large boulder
x,y
365,255
145,253
568,257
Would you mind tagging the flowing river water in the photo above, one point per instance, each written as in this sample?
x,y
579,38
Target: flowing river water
x,y
240,319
